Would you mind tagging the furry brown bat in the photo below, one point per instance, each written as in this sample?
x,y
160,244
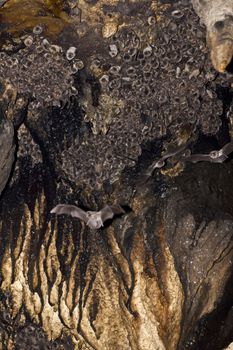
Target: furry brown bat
x,y
213,157
93,219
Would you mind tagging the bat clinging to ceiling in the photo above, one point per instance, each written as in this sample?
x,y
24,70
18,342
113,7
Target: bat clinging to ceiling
x,y
213,157
93,219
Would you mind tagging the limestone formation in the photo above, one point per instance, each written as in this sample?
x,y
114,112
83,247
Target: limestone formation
x,y
217,15
104,89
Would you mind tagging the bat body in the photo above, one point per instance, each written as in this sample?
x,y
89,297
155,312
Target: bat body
x,y
225,151
93,219
217,156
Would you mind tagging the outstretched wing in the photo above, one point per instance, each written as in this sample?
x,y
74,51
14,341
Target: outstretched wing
x,y
72,210
109,211
228,148
194,158
219,159
175,151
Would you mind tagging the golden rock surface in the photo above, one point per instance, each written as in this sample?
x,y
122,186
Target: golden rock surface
x,y
139,283
84,308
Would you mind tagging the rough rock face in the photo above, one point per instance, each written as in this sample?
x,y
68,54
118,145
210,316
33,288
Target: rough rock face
x,y
153,275
218,18
7,150
160,276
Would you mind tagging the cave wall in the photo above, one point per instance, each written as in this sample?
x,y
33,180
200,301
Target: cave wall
x,y
87,130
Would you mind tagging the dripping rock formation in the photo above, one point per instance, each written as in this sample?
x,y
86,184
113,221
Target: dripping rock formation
x,y
92,94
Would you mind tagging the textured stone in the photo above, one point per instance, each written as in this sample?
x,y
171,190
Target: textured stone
x,y
7,150
218,18
160,276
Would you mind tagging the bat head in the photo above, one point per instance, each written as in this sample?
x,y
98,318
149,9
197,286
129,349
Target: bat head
x,y
214,154
160,163
94,221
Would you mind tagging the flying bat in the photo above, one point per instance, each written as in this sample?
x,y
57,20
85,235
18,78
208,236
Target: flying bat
x,y
162,161
93,219
2,2
217,156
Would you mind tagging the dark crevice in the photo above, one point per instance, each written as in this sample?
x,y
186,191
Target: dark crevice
x,y
229,68
215,331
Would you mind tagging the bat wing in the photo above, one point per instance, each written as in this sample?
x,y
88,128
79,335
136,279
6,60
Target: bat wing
x,y
227,149
177,150
173,152
194,158
70,210
219,159
157,164
109,211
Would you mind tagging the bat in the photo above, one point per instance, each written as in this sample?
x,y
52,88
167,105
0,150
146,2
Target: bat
x,y
216,156
2,2
162,161
93,219
224,151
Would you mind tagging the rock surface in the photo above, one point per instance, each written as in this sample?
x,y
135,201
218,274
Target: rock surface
x,y
218,18
160,276
7,150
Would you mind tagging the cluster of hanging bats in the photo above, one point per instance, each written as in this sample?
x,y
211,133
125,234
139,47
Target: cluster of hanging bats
x,y
217,15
